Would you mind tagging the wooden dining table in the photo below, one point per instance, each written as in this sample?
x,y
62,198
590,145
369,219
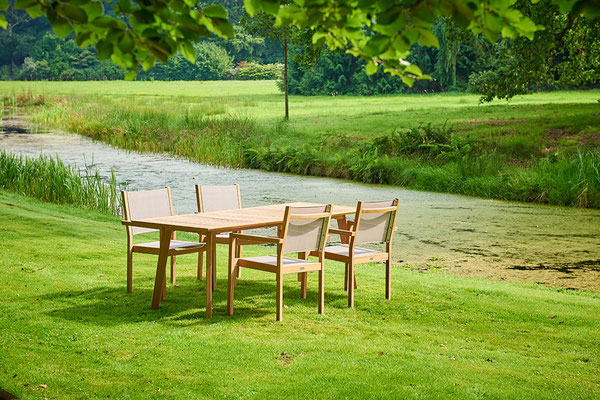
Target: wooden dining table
x,y
209,224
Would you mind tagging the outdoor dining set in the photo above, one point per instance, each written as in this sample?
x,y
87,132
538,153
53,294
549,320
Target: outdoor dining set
x,y
302,231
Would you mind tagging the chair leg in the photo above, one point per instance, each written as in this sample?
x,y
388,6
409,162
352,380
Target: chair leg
x,y
173,261
279,296
355,286
388,279
239,255
129,271
321,290
304,279
200,262
350,284
303,276
346,277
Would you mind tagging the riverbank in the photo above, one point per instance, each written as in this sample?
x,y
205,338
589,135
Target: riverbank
x,y
540,148
68,329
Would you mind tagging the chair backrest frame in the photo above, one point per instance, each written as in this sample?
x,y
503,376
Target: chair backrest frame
x,y
314,213
200,199
127,211
365,208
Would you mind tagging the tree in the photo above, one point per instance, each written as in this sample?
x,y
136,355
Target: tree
x,y
566,53
378,31
263,24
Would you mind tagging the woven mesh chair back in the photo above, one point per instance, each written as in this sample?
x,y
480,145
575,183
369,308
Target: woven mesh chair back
x,y
306,234
147,204
375,226
218,198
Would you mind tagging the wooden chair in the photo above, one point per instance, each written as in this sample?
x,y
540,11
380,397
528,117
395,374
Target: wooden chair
x,y
216,198
374,222
304,230
151,204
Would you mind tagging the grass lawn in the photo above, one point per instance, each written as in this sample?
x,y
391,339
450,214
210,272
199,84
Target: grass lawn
x,y
67,322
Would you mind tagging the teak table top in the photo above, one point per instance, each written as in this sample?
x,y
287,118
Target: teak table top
x,y
230,220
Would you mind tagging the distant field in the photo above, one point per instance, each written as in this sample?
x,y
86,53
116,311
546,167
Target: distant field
x,y
540,147
318,115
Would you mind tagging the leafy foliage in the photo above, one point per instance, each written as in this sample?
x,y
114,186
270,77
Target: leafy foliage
x,y
254,71
379,31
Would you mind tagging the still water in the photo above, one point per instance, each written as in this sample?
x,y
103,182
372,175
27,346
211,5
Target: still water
x,y
496,239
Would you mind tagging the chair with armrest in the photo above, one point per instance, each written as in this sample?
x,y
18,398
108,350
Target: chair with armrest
x,y
151,204
216,198
374,222
304,230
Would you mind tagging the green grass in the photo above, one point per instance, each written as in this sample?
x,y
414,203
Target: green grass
x,y
533,148
67,322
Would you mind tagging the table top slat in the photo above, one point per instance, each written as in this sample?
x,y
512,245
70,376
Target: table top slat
x,y
230,220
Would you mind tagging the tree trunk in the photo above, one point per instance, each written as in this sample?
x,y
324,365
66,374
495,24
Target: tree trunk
x,y
285,78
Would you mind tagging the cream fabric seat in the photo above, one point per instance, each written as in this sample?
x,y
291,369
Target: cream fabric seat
x,y
175,244
150,204
272,260
344,250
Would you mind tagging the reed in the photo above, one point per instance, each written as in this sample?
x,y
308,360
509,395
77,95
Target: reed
x,y
50,179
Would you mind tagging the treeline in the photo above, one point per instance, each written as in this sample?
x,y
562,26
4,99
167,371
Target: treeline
x,y
564,55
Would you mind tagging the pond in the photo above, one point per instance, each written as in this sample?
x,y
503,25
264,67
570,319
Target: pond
x,y
556,246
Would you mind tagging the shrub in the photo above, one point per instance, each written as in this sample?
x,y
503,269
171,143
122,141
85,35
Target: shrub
x,y
252,71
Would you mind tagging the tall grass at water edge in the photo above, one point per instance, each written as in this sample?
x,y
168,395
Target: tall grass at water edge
x,y
430,157
50,179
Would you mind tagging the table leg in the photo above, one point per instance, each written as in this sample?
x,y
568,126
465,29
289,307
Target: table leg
x,y
210,258
161,266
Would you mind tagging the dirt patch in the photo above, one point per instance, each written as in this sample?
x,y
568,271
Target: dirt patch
x,y
493,122
555,135
591,139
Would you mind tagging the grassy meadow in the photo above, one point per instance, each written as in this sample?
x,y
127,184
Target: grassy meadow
x,y
68,329
541,147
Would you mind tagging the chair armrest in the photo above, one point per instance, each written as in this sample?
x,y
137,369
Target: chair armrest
x,y
342,232
255,238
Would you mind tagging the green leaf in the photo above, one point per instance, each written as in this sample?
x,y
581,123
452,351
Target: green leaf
x,y
61,27
104,49
3,5
215,12
188,51
93,9
75,14
371,68
25,4
125,5
3,23
376,45
35,11
82,38
130,75
270,6
148,63
252,6
427,38
126,43
223,28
